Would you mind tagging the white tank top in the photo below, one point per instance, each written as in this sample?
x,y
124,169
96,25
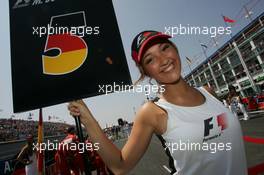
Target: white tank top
x,y
200,129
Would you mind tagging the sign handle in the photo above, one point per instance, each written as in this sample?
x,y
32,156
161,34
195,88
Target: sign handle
x,y
87,164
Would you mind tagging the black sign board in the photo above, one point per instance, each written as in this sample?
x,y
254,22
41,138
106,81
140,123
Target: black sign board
x,y
64,50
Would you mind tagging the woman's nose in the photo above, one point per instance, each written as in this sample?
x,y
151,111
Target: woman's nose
x,y
163,59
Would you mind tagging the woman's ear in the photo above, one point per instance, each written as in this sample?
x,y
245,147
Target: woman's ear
x,y
142,74
141,70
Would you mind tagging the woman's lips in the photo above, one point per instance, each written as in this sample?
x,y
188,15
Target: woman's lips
x,y
168,68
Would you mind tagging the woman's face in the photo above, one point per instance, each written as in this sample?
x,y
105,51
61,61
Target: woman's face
x,y
161,62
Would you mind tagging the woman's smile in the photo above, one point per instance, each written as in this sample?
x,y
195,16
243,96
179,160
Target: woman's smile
x,y
168,67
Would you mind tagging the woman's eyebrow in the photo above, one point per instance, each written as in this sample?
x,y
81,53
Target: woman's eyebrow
x,y
146,56
150,53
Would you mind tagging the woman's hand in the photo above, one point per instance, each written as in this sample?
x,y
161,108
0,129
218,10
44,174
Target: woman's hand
x,y
29,162
79,108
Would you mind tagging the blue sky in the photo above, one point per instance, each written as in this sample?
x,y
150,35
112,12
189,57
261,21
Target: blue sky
x,y
134,16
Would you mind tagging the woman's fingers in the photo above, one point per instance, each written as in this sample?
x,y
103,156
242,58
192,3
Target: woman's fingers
x,y
73,107
74,113
77,107
81,103
74,110
74,103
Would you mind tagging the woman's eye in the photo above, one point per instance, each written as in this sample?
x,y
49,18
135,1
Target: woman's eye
x,y
148,60
165,47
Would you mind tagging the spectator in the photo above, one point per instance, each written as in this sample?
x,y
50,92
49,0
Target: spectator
x,y
27,156
69,161
234,102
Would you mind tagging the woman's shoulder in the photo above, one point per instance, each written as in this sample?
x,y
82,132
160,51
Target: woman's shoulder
x,y
151,108
150,112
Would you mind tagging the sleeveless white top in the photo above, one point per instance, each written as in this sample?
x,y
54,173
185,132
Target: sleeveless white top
x,y
193,133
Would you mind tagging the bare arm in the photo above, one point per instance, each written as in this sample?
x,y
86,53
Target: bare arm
x,y
119,161
21,155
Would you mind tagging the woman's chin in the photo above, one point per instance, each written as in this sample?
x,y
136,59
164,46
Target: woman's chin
x,y
171,80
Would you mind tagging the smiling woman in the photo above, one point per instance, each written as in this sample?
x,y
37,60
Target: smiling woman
x,y
156,47
182,115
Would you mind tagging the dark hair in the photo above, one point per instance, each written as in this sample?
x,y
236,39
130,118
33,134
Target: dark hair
x,y
29,136
70,130
142,73
231,87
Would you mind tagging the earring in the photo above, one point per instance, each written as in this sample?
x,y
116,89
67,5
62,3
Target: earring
x,y
150,79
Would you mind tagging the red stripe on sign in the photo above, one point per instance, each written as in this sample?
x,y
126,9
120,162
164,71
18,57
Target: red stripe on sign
x,y
254,140
256,169
222,121
66,42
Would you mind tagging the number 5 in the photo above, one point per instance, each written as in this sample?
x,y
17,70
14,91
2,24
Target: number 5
x,y
73,53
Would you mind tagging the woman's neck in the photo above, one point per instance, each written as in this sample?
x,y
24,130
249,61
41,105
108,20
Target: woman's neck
x,y
182,94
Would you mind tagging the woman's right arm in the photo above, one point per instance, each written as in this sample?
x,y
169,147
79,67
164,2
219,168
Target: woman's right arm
x,y
119,161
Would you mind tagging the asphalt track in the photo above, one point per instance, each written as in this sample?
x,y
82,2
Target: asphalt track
x,y
10,149
254,128
153,161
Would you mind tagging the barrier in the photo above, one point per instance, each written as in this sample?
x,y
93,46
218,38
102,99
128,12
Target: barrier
x,y
261,102
254,103
255,170
254,140
7,167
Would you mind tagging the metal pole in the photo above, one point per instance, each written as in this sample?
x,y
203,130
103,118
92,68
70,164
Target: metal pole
x,y
220,55
87,165
244,66
195,84
248,13
211,70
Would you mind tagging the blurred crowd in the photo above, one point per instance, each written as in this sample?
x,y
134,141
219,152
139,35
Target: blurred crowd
x,y
118,131
12,129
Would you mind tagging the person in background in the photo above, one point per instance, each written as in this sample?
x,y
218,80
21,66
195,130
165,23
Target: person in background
x,y
69,161
27,157
126,130
225,103
235,104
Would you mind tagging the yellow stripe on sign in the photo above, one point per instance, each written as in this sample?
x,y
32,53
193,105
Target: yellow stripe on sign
x,y
64,63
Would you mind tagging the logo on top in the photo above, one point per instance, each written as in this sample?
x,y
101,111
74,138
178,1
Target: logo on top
x,y
25,3
141,38
214,126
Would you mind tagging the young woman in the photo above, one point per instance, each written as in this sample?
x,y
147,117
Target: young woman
x,y
182,115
